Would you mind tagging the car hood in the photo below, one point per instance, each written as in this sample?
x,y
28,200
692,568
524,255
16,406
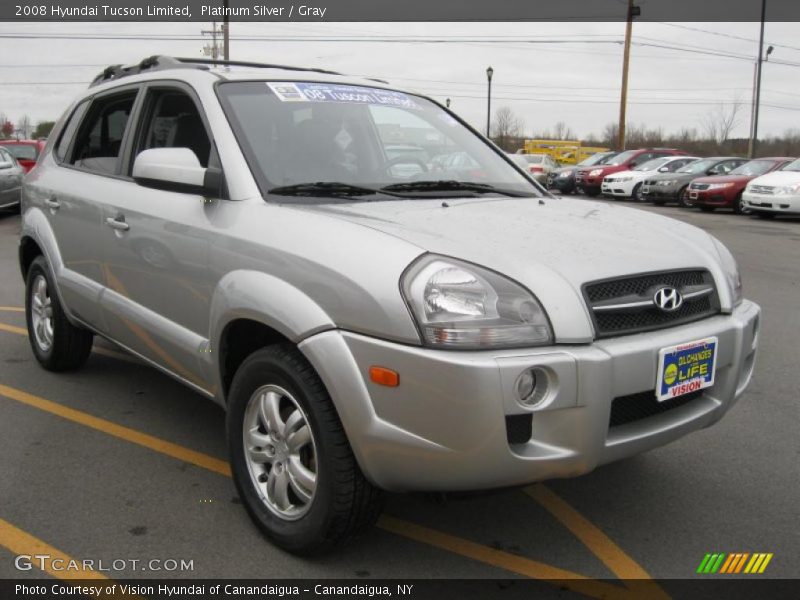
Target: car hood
x,y
552,246
605,170
777,178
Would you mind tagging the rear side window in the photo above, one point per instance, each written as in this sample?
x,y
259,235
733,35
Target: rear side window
x,y
99,142
68,133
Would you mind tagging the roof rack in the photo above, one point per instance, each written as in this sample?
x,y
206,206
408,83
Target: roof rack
x,y
158,63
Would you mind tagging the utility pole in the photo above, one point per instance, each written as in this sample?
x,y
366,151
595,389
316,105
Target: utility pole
x,y
754,138
226,32
633,11
489,73
212,50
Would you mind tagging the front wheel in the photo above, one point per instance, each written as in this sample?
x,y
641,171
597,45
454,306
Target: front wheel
x,y
683,199
291,460
637,193
738,208
57,344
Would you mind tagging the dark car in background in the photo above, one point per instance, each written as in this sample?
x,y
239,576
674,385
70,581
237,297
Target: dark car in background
x,y
671,187
563,179
725,191
25,151
590,179
10,180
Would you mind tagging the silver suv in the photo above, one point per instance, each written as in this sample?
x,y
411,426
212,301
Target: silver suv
x,y
372,318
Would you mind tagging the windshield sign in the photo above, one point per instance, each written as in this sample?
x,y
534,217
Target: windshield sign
x,y
291,91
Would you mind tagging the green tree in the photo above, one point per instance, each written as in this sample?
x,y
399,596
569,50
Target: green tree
x,y
43,129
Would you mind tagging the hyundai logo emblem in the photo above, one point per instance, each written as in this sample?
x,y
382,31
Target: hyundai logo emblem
x,y
668,299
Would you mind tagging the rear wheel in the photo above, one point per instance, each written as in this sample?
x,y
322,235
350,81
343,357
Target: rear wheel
x,y
57,344
290,457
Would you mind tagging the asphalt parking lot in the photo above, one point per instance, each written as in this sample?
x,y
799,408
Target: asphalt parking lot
x,y
119,461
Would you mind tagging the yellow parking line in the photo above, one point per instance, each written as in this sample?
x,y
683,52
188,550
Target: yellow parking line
x,y
20,542
125,433
504,560
12,309
12,329
95,349
462,547
622,565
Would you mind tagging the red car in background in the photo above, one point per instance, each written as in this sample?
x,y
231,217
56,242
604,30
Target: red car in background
x,y
25,151
725,191
589,179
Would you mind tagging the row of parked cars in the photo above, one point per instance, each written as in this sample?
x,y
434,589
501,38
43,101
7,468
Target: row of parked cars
x,y
763,186
17,157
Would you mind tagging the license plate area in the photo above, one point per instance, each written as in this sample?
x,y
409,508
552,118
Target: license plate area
x,y
686,368
693,195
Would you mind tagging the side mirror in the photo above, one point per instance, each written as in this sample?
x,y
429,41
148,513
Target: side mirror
x,y
177,170
663,170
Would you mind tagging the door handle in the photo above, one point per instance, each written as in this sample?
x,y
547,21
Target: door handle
x,y
52,203
117,223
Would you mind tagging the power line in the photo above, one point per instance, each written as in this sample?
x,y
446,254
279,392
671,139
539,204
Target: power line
x,y
728,35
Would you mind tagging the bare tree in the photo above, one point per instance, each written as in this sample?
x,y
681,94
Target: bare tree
x,y
722,119
562,132
610,135
508,128
25,126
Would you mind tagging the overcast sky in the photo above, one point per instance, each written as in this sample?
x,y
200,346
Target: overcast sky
x,y
544,83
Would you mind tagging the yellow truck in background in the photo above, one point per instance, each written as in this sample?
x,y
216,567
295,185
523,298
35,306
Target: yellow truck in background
x,y
566,152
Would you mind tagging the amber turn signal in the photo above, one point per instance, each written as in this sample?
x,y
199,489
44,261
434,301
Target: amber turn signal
x,y
384,376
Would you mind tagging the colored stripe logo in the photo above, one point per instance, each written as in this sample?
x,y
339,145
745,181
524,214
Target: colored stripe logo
x,y
734,563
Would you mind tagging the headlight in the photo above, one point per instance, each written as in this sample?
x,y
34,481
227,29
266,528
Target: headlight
x,y
719,186
462,306
731,270
595,172
564,175
624,178
788,190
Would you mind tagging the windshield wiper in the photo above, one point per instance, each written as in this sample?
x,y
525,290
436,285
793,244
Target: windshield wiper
x,y
323,188
447,185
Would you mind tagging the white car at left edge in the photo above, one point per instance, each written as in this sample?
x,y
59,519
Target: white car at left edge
x,y
628,184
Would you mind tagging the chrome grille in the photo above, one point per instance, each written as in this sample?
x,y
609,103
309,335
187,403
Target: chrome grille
x,y
626,305
766,190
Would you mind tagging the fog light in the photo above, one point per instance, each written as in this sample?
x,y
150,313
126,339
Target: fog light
x,y
531,387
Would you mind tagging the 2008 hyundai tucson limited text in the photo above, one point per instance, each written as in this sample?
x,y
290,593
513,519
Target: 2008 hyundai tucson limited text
x,y
371,318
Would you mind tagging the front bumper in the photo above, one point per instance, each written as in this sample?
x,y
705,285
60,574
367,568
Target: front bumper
x,y
719,198
787,204
660,192
444,428
563,184
619,189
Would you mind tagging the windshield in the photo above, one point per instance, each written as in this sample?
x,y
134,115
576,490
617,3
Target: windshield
x,y
699,166
652,165
792,166
754,167
533,159
22,151
622,158
295,133
601,158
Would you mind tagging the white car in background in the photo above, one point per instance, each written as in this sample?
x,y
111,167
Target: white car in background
x,y
538,166
628,184
775,193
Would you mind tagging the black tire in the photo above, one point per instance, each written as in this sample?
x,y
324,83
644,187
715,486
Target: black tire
x,y
737,204
344,503
591,193
636,194
69,346
659,202
683,201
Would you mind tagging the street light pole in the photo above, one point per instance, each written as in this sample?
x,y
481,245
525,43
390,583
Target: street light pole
x,y
226,27
489,73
